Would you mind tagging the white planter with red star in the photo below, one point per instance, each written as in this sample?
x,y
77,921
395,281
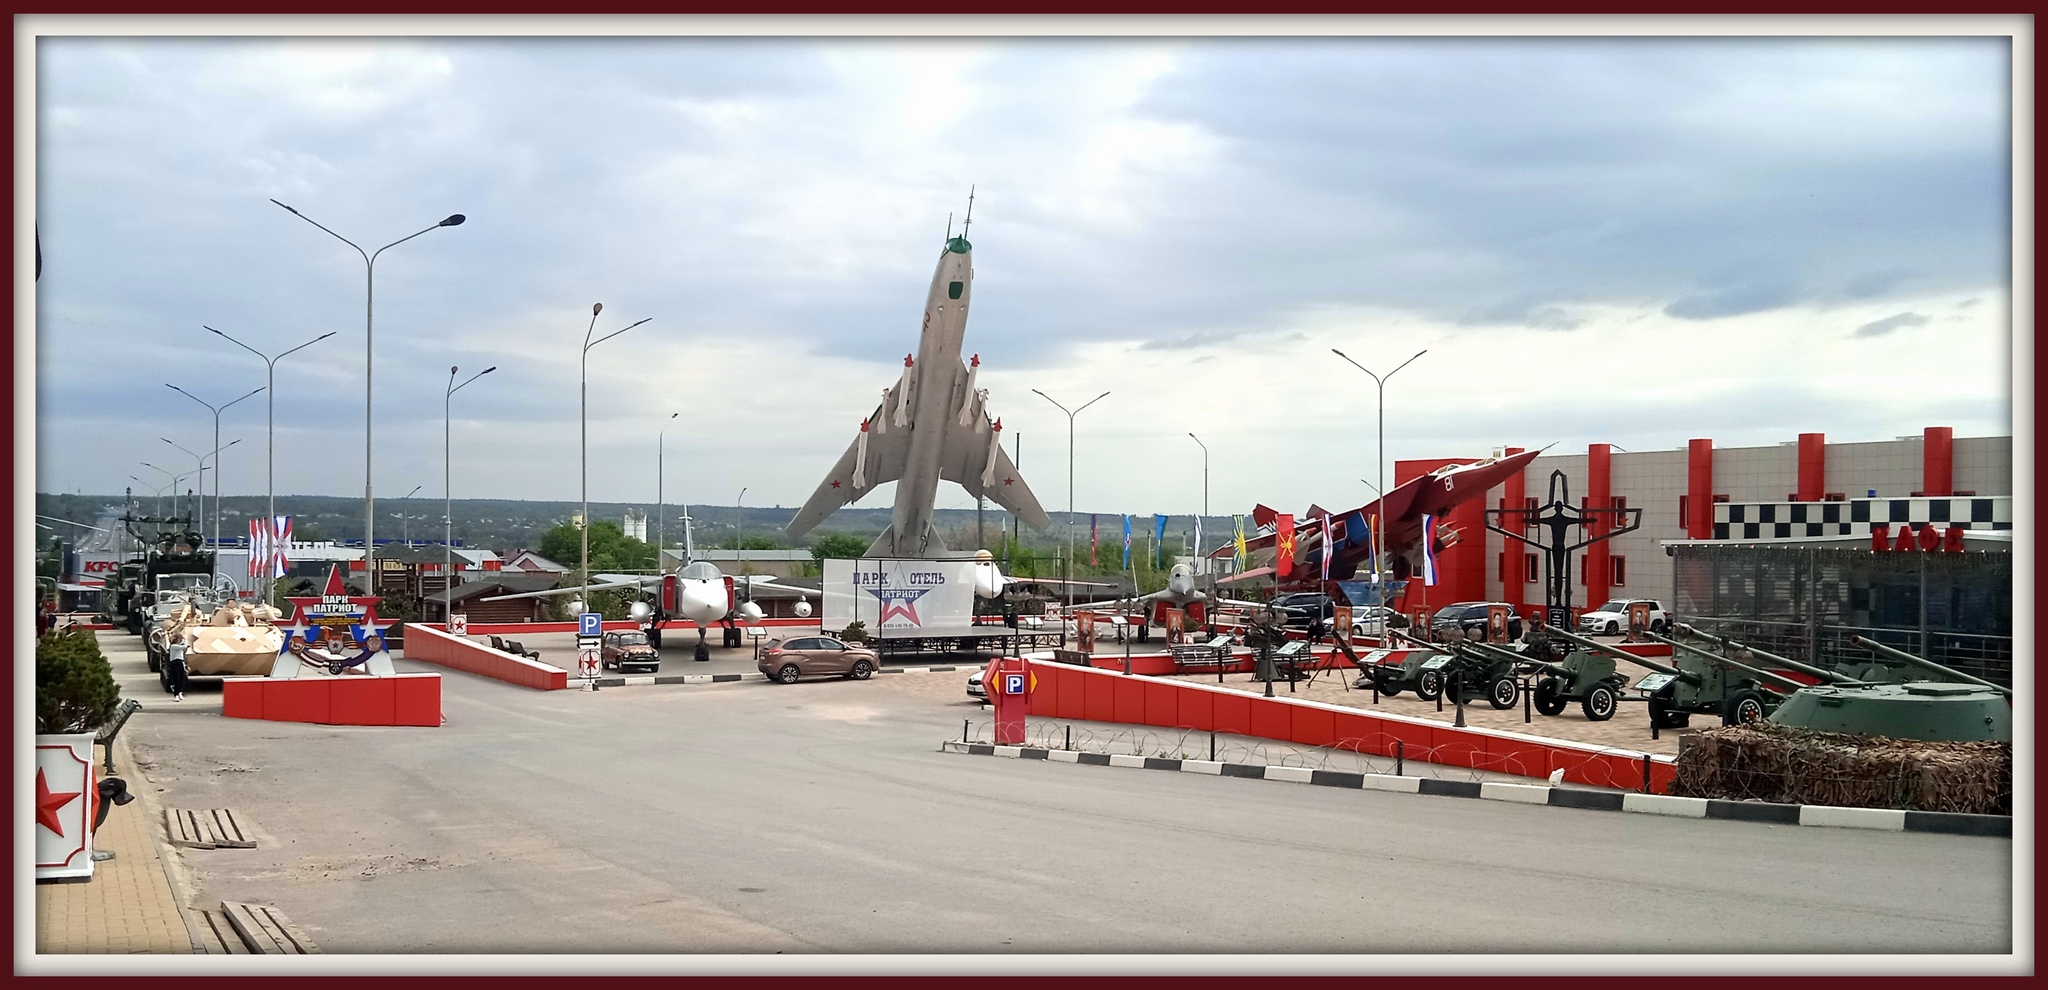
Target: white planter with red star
x,y
64,798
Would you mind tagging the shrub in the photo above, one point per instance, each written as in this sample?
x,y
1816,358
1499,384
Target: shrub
x,y
75,689
857,632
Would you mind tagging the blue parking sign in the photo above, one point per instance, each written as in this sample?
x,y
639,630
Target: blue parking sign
x,y
590,624
1013,683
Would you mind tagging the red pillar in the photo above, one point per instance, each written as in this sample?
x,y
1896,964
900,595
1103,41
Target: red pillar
x,y
1813,466
1513,491
1598,496
1699,490
1938,462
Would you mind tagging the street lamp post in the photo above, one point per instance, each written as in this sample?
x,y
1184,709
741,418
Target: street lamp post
x,y
447,488
1069,570
1205,498
369,325
216,410
583,418
175,478
405,517
661,480
1380,462
269,431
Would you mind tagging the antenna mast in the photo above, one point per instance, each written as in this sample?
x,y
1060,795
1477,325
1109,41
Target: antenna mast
x,y
970,214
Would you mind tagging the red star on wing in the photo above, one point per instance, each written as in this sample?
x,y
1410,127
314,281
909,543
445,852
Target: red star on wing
x,y
1009,481
835,484
48,802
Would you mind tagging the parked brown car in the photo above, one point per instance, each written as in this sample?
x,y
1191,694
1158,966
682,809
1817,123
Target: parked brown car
x,y
629,651
789,660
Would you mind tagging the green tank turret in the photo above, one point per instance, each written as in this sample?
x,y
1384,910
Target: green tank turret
x,y
1903,657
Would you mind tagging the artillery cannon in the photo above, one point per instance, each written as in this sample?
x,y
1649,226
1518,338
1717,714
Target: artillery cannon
x,y
1697,682
1907,658
1585,676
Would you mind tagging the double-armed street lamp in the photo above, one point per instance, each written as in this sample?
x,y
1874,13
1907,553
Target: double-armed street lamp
x,y
269,430
216,410
1069,575
447,488
1205,498
584,424
369,324
1380,458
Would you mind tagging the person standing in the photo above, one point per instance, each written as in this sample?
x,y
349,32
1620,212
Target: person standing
x,y
174,670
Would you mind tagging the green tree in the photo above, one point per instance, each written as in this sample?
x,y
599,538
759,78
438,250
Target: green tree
x,y
75,689
610,548
843,546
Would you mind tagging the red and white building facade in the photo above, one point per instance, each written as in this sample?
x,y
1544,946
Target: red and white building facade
x,y
1804,490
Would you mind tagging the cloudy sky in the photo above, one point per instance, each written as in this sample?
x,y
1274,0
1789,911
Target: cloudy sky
x,y
1634,241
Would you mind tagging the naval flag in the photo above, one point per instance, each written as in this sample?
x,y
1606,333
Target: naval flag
x,y
268,542
1127,542
1428,551
1329,548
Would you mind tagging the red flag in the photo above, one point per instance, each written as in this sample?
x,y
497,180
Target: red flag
x,y
1283,565
1094,540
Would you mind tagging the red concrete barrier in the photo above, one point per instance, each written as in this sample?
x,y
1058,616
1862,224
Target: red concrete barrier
x,y
1096,695
430,645
349,699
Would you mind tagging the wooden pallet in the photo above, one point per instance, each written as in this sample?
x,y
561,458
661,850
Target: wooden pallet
x,y
216,936
213,828
265,930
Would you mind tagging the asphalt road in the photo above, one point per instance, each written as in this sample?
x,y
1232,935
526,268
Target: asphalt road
x,y
821,818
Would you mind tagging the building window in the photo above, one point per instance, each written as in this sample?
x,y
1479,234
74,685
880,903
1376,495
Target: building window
x,y
1617,571
1529,567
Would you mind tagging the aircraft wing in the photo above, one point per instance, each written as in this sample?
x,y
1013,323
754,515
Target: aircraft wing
x,y
764,581
888,451
606,582
965,458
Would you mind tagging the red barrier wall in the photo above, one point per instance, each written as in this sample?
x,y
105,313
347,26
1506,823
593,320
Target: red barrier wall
x,y
431,645
1068,691
404,699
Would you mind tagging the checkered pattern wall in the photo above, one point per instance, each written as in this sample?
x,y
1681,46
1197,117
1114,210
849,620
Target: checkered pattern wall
x,y
1792,520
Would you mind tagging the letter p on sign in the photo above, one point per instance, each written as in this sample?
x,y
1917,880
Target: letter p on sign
x,y
590,624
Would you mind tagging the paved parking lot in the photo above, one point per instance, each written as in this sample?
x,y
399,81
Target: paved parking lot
x,y
821,817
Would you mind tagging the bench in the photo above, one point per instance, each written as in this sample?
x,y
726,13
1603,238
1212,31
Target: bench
x,y
517,648
105,735
1202,656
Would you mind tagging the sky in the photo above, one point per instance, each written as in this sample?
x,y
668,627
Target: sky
x,y
1633,241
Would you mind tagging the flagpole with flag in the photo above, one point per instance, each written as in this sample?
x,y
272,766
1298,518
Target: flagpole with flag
x,y
1243,554
1428,552
1127,541
1094,538
1158,543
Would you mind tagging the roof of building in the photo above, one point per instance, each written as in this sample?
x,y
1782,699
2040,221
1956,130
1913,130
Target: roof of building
x,y
528,560
501,582
719,555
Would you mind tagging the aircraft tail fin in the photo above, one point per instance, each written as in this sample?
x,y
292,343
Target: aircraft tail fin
x,y
887,544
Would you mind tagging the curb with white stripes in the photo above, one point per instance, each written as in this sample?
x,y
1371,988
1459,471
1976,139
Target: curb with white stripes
x,y
1883,819
605,682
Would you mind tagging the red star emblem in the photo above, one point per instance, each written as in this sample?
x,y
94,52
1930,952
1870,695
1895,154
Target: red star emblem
x,y
1009,481
835,484
48,802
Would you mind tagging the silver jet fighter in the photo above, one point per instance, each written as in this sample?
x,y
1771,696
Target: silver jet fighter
x,y
931,424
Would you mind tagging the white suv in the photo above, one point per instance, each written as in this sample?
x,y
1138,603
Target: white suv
x,y
1612,618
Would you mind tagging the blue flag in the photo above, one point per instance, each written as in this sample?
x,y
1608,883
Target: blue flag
x,y
1158,542
1127,542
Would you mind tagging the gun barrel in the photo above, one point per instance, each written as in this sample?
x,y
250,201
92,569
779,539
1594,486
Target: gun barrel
x,y
1778,681
1821,672
1902,656
1599,647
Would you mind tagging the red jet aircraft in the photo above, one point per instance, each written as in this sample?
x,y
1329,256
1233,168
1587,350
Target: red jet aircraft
x,y
1434,494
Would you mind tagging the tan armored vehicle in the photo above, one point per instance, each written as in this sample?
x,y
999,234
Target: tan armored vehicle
x,y
228,639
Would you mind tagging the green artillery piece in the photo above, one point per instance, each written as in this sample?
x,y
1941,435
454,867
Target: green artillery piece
x,y
1409,674
1584,676
1697,682
1489,671
1894,674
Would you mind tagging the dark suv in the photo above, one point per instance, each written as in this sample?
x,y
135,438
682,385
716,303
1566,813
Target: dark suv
x,y
1470,619
1305,607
